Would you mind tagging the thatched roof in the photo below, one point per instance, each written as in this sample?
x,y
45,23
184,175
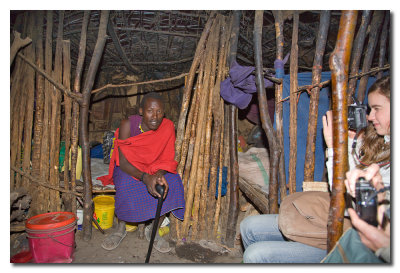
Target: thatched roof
x,y
157,44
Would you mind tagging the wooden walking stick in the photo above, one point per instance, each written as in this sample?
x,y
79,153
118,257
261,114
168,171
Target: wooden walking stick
x,y
339,65
309,162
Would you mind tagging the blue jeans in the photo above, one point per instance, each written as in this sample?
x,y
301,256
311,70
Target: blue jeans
x,y
264,243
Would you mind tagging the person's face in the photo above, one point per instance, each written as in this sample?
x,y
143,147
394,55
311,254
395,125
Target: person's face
x,y
153,113
380,113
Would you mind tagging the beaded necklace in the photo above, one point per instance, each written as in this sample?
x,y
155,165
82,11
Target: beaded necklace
x,y
140,127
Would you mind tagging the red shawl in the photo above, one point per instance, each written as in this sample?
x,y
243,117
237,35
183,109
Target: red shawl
x,y
149,152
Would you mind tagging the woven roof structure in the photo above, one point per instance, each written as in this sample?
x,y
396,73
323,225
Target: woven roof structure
x,y
155,44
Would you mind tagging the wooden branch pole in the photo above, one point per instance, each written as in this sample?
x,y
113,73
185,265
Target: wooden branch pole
x,y
293,104
68,199
56,119
382,45
376,22
192,175
119,48
36,205
48,61
358,46
220,165
339,65
214,44
233,152
29,87
278,104
218,114
75,105
84,120
202,130
188,88
309,162
17,44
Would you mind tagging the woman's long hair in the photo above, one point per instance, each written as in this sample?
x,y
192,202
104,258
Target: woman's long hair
x,y
374,149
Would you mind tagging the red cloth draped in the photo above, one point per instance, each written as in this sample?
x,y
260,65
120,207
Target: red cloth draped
x,y
149,152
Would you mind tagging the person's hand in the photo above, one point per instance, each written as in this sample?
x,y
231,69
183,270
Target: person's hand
x,y
372,237
370,174
328,128
152,180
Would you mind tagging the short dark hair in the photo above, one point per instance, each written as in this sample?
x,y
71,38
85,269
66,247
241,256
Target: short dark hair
x,y
152,95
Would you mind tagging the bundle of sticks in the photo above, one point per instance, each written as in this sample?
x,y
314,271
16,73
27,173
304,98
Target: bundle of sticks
x,y
202,146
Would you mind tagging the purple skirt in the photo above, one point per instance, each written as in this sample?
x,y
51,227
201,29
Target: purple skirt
x,y
133,203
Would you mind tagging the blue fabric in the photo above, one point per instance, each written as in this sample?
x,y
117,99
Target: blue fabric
x,y
224,181
264,243
133,203
302,125
96,151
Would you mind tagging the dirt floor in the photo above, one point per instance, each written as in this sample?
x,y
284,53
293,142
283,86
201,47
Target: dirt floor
x,y
133,249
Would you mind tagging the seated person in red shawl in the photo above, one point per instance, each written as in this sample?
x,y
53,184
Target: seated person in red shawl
x,y
143,156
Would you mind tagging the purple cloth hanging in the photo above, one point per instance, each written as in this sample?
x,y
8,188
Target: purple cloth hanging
x,y
240,85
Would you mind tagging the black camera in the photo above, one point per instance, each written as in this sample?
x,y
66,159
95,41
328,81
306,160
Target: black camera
x,y
357,116
366,201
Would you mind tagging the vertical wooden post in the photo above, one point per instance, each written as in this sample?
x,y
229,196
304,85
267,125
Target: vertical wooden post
x,y
382,45
357,51
75,105
265,119
84,118
55,202
30,94
375,25
293,104
309,163
278,104
68,199
234,186
339,65
39,111
48,60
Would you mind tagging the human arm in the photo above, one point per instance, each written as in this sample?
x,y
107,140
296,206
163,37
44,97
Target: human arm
x,y
375,238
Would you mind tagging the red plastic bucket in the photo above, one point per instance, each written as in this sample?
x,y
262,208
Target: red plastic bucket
x,y
52,237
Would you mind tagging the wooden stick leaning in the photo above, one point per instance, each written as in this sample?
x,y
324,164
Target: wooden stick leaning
x,y
293,104
218,122
192,175
278,106
188,88
309,162
203,224
201,128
